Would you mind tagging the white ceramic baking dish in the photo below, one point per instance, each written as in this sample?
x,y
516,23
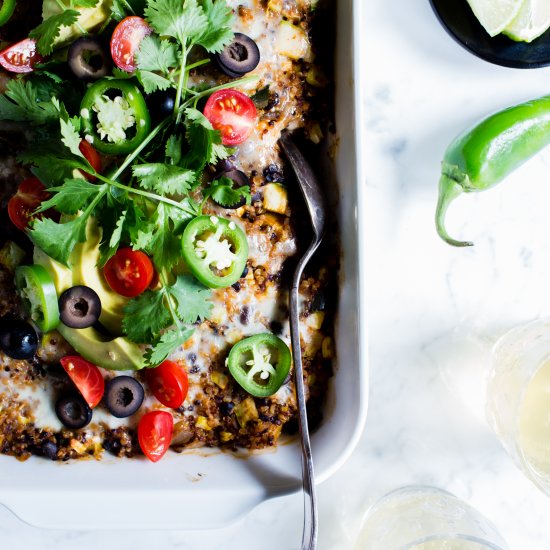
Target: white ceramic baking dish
x,y
117,494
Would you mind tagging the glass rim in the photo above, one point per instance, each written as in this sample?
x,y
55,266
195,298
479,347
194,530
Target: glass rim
x,y
531,472
456,537
432,489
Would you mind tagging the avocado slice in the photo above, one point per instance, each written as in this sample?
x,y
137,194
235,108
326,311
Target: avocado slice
x,y
89,19
111,354
117,352
61,275
85,259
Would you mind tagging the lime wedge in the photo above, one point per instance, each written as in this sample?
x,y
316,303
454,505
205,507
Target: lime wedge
x,y
532,20
496,15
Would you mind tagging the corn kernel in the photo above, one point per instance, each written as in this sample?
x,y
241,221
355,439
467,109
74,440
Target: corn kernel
x,y
202,422
327,348
226,436
220,379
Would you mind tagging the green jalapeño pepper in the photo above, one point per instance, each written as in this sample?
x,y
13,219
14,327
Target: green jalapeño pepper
x,y
6,11
260,364
483,156
215,250
37,290
115,116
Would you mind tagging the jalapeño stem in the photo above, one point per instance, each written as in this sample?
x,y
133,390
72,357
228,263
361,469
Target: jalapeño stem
x,y
449,190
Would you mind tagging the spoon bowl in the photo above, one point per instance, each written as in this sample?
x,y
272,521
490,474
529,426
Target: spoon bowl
x,y
459,21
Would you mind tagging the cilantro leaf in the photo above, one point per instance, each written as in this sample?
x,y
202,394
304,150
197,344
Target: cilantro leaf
x,y
166,345
122,8
218,33
158,239
152,82
145,316
223,193
48,31
261,97
120,219
184,20
69,133
53,170
52,162
116,235
205,143
119,74
192,298
86,3
72,196
173,149
58,239
156,54
165,179
22,103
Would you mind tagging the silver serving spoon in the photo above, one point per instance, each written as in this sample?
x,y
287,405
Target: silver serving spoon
x,y
316,205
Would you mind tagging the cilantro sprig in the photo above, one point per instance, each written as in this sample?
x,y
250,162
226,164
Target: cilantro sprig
x,y
47,33
160,317
184,24
153,192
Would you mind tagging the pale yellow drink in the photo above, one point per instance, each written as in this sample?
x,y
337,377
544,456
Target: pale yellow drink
x,y
518,398
426,518
534,421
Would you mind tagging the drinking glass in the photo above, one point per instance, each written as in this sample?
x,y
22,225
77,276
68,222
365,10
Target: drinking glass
x,y
518,398
426,518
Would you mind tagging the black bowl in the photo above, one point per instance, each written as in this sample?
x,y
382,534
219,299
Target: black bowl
x,y
460,22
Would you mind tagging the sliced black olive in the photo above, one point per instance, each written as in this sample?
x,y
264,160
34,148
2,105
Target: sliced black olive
x,y
241,180
73,411
88,59
123,396
240,57
18,339
161,104
79,307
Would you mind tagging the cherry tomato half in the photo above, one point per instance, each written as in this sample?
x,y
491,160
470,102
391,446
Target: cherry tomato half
x,y
30,195
125,42
155,434
233,114
86,377
92,156
129,272
20,57
169,384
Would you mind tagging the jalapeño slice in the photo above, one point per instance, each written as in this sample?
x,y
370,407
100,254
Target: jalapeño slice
x,y
37,290
115,116
260,364
216,251
7,7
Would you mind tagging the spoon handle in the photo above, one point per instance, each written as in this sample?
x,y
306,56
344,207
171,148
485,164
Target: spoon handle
x,y
309,537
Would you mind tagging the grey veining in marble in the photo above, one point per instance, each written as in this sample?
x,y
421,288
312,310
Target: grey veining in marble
x,y
434,311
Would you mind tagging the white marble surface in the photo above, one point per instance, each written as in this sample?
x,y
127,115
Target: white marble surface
x,y
434,311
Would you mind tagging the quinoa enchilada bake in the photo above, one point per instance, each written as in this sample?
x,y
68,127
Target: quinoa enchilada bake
x,y
149,225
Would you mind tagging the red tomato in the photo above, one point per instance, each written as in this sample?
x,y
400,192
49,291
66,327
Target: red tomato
x,y
155,434
20,57
169,384
30,195
86,377
129,272
125,42
233,114
92,156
